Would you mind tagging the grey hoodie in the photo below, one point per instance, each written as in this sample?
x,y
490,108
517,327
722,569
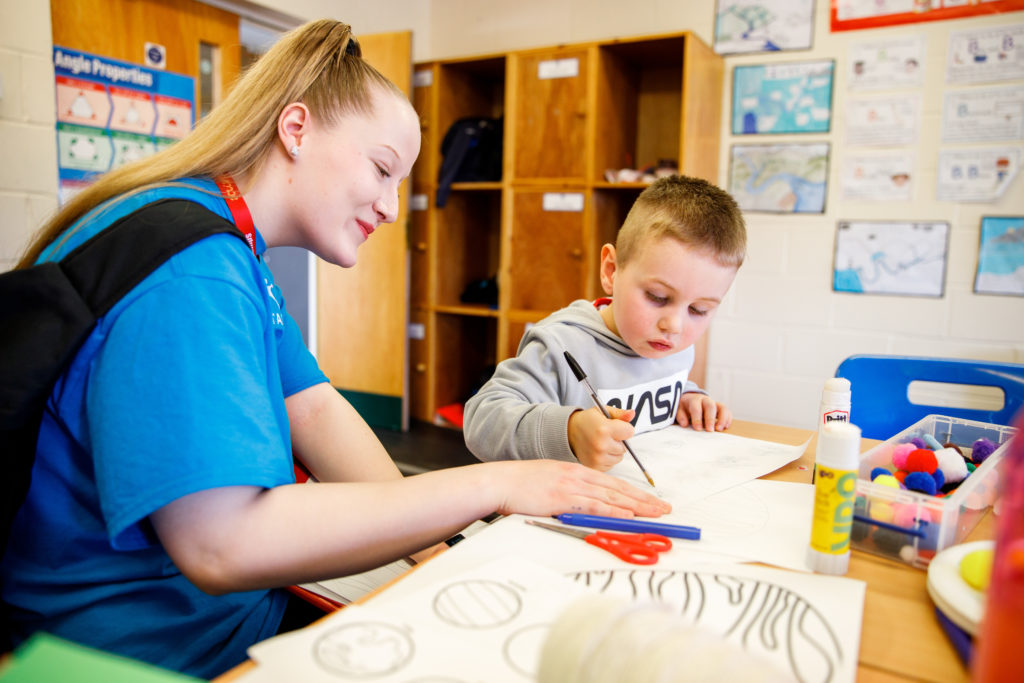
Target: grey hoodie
x,y
523,411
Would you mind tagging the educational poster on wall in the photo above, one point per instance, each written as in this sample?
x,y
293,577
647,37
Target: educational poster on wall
x,y
977,174
785,178
763,25
847,15
886,121
986,55
886,64
111,112
983,114
782,98
1001,256
898,257
884,177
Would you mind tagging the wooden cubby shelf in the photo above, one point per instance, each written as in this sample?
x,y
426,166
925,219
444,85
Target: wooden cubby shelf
x,y
570,112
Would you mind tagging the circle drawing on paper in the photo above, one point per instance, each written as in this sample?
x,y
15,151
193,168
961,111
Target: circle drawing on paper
x,y
522,649
363,649
477,604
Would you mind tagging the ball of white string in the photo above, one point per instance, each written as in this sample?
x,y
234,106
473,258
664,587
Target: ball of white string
x,y
603,639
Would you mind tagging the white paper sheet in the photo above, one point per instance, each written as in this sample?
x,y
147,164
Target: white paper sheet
x,y
806,623
347,589
688,465
486,624
987,54
885,64
759,521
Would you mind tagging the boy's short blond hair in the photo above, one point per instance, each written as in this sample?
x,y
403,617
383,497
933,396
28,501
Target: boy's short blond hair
x,y
693,211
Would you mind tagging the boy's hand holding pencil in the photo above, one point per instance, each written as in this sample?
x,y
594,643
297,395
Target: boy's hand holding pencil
x,y
596,440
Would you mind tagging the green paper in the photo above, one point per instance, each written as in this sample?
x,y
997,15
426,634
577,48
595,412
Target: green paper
x,y
47,658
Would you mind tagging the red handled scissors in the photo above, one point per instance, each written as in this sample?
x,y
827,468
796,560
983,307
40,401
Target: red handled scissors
x,y
633,548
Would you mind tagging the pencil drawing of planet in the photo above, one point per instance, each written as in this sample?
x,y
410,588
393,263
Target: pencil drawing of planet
x,y
363,649
765,618
477,604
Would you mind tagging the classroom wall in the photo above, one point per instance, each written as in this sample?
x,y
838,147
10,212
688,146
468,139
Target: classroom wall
x,y
28,141
781,330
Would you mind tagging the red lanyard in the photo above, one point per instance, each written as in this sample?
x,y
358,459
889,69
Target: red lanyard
x,y
239,210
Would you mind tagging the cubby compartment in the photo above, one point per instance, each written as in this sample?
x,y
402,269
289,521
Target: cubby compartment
x,y
466,348
547,260
611,205
549,126
471,87
640,104
515,329
468,246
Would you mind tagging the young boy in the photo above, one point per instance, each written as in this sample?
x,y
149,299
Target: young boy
x,y
675,257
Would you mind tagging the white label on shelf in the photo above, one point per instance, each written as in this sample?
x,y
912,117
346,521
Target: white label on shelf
x,y
417,331
418,202
422,78
559,68
563,201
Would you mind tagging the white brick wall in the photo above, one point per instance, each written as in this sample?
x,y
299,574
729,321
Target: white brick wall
x,y
28,169
783,299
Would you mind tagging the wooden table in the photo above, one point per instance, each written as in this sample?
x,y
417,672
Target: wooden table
x,y
900,637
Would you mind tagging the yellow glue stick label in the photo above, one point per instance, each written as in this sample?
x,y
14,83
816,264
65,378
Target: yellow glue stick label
x,y
834,494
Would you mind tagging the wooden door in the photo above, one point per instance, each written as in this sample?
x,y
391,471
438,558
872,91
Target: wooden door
x,y
545,265
120,29
550,115
362,312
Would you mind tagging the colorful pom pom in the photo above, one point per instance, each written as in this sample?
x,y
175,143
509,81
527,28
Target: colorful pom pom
x,y
859,531
952,464
950,444
879,471
900,475
976,568
905,516
887,480
922,460
981,449
931,442
940,479
900,453
922,482
918,442
889,541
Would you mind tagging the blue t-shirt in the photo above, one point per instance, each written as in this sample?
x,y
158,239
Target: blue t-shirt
x,y
178,389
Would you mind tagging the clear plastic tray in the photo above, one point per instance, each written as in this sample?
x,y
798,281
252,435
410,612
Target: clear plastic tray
x,y
938,522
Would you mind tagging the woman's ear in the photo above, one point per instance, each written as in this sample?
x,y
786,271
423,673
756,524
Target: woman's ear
x,y
292,124
607,268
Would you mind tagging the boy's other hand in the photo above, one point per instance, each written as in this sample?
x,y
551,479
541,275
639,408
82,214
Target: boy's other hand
x,y
595,440
703,413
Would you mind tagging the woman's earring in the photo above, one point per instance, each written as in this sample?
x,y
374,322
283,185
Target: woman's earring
x,y
294,150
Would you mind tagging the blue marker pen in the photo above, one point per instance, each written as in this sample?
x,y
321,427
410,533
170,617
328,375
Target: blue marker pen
x,y
637,526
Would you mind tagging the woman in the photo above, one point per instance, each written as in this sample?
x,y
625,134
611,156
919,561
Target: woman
x,y
163,511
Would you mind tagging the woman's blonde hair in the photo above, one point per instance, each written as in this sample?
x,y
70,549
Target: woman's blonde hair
x,y
693,211
319,64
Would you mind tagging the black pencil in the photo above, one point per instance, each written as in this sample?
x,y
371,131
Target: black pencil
x,y
582,377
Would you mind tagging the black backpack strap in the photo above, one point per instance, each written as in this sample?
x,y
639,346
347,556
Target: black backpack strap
x,y
50,309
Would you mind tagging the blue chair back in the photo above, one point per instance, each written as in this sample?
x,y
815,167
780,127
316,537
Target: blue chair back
x,y
879,402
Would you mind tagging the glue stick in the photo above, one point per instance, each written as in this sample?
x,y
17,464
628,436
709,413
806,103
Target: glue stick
x,y
835,492
835,402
